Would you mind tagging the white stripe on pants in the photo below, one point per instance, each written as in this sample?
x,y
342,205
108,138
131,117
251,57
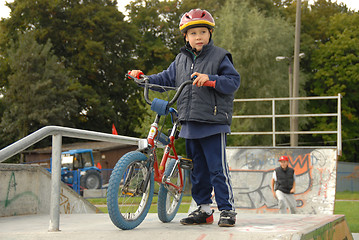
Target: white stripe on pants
x,y
286,201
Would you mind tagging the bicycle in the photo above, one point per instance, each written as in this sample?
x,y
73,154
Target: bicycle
x,y
131,185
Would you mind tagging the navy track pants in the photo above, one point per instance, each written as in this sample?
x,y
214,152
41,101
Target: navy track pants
x,y
210,171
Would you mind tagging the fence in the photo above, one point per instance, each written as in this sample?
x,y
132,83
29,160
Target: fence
x,y
274,116
347,177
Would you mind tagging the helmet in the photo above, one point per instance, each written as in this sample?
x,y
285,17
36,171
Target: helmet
x,y
196,18
283,158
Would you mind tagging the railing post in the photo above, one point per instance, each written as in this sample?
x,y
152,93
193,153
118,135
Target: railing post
x,y
339,127
55,183
273,123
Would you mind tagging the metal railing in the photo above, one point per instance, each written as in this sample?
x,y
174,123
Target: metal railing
x,y
273,116
57,133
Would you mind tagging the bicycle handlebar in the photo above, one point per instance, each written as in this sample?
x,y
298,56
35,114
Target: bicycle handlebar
x,y
144,80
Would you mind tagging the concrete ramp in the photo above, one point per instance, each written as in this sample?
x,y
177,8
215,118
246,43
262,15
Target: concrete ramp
x,y
26,189
252,171
248,227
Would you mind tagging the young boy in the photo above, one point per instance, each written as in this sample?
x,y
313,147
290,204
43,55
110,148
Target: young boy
x,y
205,114
283,186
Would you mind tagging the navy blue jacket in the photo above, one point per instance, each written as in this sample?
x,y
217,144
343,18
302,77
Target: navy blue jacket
x,y
216,63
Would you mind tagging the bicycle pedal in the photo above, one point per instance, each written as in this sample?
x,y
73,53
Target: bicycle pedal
x,y
128,194
186,163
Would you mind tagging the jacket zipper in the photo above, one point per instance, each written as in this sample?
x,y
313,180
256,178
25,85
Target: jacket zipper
x,y
215,104
190,91
214,94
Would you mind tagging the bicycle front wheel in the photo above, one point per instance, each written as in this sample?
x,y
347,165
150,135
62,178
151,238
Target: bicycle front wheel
x,y
128,201
169,198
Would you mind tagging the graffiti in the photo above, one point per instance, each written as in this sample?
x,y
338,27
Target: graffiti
x,y
28,192
252,171
12,196
70,206
325,232
11,186
65,202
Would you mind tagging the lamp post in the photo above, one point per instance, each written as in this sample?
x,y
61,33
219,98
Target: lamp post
x,y
295,105
290,94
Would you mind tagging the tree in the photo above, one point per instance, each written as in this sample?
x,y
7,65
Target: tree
x,y
320,43
39,90
96,46
157,33
314,25
254,41
336,70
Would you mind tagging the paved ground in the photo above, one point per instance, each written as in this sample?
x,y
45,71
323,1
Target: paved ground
x,y
99,226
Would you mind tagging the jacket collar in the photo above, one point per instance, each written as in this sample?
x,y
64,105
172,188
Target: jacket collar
x,y
188,50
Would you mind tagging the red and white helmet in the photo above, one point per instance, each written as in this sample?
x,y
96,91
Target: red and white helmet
x,y
283,158
196,18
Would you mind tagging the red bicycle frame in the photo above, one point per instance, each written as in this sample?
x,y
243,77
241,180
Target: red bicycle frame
x,y
159,170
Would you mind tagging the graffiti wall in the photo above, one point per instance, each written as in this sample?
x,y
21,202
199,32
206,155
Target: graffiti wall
x,y
252,171
26,189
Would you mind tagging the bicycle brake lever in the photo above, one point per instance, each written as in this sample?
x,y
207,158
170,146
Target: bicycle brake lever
x,y
139,79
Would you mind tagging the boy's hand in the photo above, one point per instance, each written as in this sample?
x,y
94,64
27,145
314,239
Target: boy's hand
x,y
135,73
200,79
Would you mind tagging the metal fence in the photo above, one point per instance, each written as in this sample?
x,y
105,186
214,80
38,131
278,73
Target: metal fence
x,y
274,116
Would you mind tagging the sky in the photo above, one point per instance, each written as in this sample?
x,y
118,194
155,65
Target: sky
x,y
4,11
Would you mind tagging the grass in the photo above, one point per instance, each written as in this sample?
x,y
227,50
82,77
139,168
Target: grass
x,y
347,195
102,201
185,204
348,208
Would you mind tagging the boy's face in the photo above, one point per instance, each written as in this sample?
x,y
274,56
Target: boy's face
x,y
198,37
283,164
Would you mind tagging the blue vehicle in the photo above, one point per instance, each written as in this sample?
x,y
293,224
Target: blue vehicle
x,y
78,170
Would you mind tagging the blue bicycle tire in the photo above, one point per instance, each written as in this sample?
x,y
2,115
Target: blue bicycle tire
x,y
121,219
167,208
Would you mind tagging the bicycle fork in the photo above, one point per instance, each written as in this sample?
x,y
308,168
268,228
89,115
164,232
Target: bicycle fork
x,y
142,186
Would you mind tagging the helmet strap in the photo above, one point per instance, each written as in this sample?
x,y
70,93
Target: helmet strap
x,y
189,47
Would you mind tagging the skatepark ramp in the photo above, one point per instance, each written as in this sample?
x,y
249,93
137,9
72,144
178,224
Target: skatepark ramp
x,y
57,133
252,170
26,189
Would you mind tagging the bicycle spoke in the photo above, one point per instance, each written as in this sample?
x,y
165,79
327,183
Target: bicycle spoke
x,y
131,200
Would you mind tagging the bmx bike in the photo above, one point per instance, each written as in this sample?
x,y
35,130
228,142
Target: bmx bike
x,y
131,185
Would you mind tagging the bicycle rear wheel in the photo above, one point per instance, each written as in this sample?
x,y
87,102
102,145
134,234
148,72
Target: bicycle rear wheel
x,y
169,198
127,203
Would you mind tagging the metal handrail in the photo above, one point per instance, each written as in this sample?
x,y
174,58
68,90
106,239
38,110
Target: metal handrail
x,y
57,133
274,116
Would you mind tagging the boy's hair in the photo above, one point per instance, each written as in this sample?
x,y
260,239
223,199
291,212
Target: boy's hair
x,y
196,18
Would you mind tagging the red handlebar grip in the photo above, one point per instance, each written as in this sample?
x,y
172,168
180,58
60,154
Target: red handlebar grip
x,y
138,75
210,84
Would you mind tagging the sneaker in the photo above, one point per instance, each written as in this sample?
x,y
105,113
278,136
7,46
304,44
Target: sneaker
x,y
198,217
227,218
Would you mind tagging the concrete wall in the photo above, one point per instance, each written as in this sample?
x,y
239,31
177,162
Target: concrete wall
x,y
252,170
26,189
